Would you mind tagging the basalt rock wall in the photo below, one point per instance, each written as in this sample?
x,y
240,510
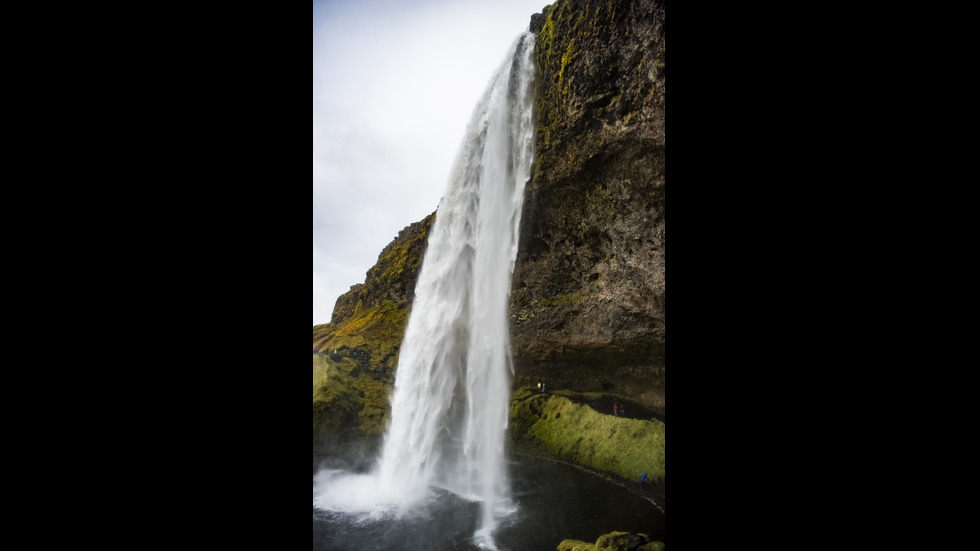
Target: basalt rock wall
x,y
588,296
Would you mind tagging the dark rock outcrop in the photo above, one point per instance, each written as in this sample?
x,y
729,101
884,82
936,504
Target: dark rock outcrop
x,y
589,283
392,278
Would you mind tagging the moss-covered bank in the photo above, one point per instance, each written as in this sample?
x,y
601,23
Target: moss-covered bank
x,y
353,366
578,434
614,541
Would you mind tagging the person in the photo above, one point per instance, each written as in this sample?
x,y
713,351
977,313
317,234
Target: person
x,y
616,410
539,387
622,411
644,479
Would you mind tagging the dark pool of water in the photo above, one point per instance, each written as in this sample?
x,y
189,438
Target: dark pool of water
x,y
555,502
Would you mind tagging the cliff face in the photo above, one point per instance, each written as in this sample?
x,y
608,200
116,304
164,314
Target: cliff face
x,y
355,355
587,305
370,318
588,296
392,278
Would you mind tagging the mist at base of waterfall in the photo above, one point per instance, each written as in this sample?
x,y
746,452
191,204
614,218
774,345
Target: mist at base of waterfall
x,y
550,502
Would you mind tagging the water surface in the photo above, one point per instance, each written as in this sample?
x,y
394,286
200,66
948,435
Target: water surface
x,y
553,502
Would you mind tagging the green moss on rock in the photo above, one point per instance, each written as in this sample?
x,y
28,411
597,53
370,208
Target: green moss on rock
x,y
335,399
393,276
575,545
581,435
614,541
375,332
355,355
345,398
588,301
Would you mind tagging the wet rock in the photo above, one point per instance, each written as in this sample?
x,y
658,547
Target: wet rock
x,y
588,298
614,541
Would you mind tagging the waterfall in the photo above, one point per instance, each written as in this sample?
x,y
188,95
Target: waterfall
x,y
452,386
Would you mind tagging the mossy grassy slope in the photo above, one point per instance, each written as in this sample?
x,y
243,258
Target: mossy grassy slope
x,y
393,277
345,398
355,355
579,434
350,388
377,331
335,401
614,541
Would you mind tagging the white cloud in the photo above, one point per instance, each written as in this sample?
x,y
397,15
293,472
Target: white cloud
x,y
394,85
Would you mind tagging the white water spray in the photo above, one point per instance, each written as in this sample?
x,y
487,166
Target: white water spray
x,y
452,386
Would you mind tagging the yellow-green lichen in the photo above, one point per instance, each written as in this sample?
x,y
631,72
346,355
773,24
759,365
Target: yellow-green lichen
x,y
377,330
614,541
345,397
568,298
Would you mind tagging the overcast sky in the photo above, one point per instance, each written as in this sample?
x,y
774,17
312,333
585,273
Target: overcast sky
x,y
394,85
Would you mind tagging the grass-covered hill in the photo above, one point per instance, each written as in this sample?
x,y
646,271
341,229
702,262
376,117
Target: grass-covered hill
x,y
355,355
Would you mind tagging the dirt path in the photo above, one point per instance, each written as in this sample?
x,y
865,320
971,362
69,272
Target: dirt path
x,y
607,404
